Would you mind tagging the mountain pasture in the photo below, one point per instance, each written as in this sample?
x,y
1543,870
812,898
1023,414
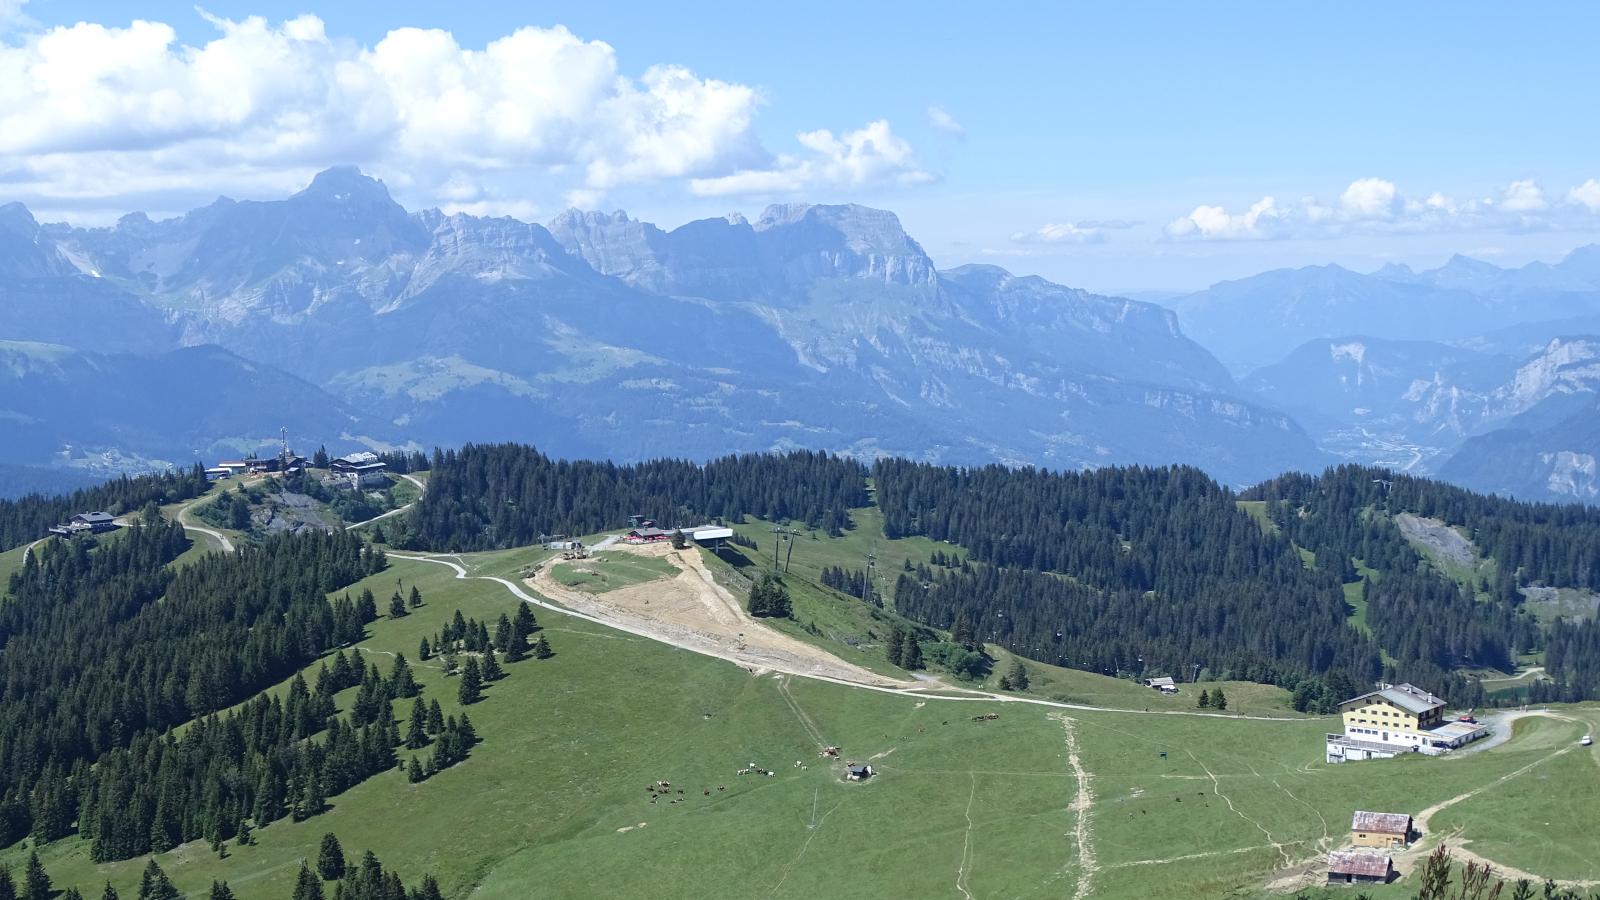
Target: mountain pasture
x,y
553,801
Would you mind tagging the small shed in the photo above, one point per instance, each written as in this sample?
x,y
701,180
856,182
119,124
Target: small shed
x,y
1375,829
1362,865
860,773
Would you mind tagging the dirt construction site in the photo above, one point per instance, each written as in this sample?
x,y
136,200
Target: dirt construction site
x,y
692,611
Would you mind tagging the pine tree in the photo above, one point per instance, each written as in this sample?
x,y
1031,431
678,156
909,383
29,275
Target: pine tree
x,y
1005,683
220,891
414,771
401,683
378,537
35,881
525,619
308,886
679,540
502,633
1018,675
416,597
541,649
491,668
242,837
1205,699
911,658
423,652
397,606
471,690
330,858
110,893
429,889
961,633
1218,701
73,893
8,887
897,649
435,718
367,607
517,644
416,729
155,885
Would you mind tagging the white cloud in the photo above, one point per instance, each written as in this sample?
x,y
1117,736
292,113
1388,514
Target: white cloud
x,y
1369,198
1587,194
945,122
94,111
1214,222
1523,196
1375,205
868,157
1066,233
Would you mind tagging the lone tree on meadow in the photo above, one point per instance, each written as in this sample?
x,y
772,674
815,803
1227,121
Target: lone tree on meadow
x,y
330,859
1018,676
397,607
541,649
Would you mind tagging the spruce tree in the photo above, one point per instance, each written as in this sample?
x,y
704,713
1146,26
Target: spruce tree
x,y
110,893
429,889
1218,701
397,607
911,659
367,607
378,537
330,858
1205,699
242,836
220,891
502,633
961,633
517,645
416,597
435,718
35,881
525,619
469,735
416,729
896,647
414,771
491,668
308,886
401,682
73,893
423,652
155,885
541,648
471,689
1018,675
8,887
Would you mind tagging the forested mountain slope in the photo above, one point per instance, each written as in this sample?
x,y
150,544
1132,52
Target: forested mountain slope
x,y
1119,570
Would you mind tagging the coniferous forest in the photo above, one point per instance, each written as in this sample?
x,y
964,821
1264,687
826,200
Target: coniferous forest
x,y
508,495
27,519
1134,570
97,674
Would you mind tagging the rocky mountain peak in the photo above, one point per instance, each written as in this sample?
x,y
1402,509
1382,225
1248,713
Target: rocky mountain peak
x,y
346,184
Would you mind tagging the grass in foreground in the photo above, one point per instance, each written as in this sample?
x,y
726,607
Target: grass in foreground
x,y
570,743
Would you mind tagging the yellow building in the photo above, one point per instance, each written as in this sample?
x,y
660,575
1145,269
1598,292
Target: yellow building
x,y
1374,829
1398,714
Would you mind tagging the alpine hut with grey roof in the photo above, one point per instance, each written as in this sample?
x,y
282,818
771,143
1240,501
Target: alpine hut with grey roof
x,y
1362,865
1379,829
1395,719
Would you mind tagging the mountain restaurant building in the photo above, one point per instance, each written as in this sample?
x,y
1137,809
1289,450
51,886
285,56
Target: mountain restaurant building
x,y
1398,718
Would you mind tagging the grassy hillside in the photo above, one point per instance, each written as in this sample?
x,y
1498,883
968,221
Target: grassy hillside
x,y
570,743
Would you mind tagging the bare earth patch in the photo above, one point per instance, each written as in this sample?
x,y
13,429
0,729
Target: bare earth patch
x,y
692,611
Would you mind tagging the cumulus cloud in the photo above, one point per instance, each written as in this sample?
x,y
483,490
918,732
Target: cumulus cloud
x,y
1214,222
1376,205
871,156
1587,194
945,122
91,110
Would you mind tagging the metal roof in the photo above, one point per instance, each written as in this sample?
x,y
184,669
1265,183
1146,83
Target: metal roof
x,y
1366,861
1453,730
1412,699
1381,823
94,516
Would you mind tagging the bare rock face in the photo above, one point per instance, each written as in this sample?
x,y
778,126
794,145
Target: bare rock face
x,y
826,327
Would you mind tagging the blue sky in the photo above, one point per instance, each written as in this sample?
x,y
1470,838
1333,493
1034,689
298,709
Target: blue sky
x,y
1113,148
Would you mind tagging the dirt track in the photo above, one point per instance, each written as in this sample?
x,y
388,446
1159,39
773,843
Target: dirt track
x,y
693,611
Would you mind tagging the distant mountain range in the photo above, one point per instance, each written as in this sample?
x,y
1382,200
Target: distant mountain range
x,y
353,322
813,326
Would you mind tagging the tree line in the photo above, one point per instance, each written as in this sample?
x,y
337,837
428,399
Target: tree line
x,y
484,497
